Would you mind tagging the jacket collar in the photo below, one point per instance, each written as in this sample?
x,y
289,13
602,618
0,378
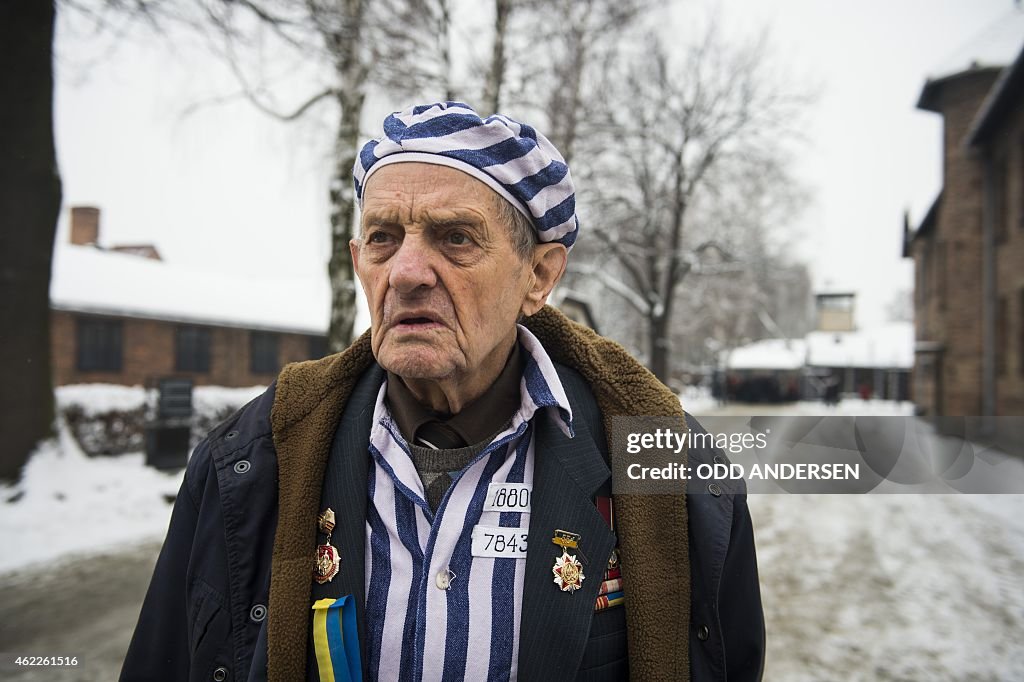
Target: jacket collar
x,y
555,625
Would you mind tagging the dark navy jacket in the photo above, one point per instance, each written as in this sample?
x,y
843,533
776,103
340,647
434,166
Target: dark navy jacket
x,y
204,615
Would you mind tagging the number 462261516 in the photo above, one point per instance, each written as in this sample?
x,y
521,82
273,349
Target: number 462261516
x,y
46,660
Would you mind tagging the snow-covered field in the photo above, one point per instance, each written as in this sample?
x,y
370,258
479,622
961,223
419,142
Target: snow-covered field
x,y
68,503
855,587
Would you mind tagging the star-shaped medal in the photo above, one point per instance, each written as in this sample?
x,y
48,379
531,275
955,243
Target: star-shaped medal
x,y
568,572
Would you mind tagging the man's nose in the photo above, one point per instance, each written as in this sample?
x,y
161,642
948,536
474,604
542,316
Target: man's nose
x,y
412,266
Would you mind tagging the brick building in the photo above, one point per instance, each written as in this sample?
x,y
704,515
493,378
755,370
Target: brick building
x,y
121,315
968,251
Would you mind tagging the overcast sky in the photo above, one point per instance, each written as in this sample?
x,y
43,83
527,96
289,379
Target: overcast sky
x,y
228,188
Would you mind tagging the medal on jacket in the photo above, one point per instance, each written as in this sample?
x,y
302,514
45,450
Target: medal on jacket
x,y
568,571
328,561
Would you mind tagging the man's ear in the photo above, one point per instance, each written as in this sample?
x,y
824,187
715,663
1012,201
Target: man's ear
x,y
548,267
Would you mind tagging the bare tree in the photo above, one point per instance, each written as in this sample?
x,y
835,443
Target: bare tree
x,y
30,195
351,45
680,143
499,60
331,36
582,36
334,33
412,47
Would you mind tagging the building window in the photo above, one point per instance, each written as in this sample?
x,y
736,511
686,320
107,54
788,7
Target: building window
x,y
99,345
263,353
317,347
192,349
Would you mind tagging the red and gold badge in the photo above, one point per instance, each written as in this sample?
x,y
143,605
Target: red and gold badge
x,y
327,562
568,572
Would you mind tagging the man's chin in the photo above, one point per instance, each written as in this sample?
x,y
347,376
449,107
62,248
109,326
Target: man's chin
x,y
409,364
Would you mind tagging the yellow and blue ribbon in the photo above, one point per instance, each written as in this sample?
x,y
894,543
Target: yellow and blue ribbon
x,y
336,640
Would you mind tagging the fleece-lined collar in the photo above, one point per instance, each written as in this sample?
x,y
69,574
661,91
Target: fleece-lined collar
x,y
310,399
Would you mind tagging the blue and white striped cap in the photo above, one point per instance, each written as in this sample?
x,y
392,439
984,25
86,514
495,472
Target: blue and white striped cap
x,y
512,158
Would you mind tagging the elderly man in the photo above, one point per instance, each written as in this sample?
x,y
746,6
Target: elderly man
x,y
435,502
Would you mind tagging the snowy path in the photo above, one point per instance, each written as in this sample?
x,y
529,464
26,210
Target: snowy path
x,y
892,587
85,607
882,586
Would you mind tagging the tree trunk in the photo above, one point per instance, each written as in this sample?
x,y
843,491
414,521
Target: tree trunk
x,y
579,60
445,36
352,73
30,196
659,363
343,202
496,74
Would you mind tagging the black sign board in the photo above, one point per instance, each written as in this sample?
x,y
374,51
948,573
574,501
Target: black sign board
x,y
174,399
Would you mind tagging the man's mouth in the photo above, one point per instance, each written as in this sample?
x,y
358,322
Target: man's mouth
x,y
416,322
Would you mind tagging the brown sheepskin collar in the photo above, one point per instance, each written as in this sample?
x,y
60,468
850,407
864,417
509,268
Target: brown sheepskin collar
x,y
652,529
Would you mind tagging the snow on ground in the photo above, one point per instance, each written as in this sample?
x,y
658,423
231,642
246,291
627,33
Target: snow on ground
x,y
68,504
96,399
697,400
887,587
892,587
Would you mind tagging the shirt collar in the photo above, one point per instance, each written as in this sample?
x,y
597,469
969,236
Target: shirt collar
x,y
541,387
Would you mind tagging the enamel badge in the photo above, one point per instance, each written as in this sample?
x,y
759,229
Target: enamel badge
x,y
613,559
568,572
328,561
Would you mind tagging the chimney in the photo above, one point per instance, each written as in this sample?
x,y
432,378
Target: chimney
x,y
85,225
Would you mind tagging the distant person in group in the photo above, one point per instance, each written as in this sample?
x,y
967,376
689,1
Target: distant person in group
x,y
435,502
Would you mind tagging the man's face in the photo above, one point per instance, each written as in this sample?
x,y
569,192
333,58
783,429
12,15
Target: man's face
x,y
442,280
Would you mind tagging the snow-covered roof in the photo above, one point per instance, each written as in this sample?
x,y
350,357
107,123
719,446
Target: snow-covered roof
x,y
889,346
87,279
768,354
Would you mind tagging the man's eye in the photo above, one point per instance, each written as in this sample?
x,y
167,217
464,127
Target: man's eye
x,y
377,238
458,238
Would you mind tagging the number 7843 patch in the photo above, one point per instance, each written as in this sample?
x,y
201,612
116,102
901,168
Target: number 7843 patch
x,y
499,543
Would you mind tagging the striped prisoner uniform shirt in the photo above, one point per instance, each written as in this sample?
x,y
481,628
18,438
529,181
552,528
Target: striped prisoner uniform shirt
x,y
418,625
